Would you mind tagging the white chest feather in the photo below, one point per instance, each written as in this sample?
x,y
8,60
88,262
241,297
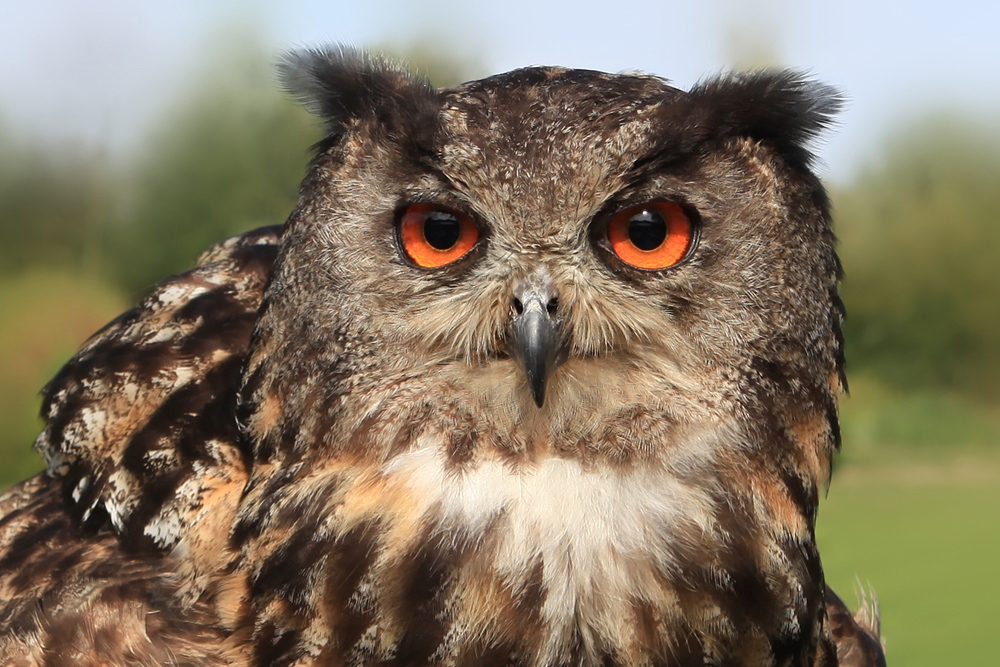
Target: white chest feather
x,y
598,534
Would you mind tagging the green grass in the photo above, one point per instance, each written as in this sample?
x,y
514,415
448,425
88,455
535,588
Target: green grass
x,y
914,512
882,425
925,537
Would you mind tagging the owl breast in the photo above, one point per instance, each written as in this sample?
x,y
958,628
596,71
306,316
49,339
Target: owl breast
x,y
595,540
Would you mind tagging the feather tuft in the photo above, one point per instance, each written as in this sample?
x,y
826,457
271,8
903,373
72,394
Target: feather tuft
x,y
783,108
342,85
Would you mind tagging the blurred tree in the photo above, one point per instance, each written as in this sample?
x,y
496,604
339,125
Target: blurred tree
x,y
54,201
920,241
753,32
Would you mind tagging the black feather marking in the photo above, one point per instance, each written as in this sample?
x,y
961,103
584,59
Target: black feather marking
x,y
350,557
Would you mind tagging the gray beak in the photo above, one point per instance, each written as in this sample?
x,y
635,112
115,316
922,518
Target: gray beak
x,y
535,340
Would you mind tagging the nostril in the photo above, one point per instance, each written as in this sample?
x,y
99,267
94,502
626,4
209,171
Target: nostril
x,y
518,306
552,305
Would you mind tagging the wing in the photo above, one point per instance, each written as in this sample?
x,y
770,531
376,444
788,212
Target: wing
x,y
72,596
145,468
140,424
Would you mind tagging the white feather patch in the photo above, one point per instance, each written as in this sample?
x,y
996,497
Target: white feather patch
x,y
585,526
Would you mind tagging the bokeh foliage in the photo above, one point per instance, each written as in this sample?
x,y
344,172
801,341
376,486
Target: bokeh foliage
x,y
55,201
228,157
920,241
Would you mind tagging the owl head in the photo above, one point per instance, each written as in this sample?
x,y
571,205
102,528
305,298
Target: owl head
x,y
591,265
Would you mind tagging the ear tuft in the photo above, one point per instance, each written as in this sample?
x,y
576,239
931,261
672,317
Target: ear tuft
x,y
341,84
782,108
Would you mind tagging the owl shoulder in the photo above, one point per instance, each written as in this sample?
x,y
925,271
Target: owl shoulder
x,y
140,424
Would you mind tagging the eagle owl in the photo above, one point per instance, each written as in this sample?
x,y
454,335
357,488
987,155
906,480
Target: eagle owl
x,y
542,370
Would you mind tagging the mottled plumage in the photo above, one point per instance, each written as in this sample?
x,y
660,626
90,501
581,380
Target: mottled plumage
x,y
311,450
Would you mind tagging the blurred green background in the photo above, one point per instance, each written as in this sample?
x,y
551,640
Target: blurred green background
x,y
914,505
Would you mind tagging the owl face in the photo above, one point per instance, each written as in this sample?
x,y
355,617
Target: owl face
x,y
547,243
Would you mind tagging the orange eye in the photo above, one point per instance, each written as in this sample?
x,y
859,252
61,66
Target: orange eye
x,y
651,236
434,236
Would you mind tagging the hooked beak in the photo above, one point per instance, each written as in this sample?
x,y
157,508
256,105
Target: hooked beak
x,y
535,340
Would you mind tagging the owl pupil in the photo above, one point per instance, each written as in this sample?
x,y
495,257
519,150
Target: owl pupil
x,y
442,230
647,230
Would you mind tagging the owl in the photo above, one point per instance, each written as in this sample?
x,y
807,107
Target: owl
x,y
541,370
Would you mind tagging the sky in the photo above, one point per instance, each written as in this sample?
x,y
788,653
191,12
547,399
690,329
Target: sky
x,y
100,73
